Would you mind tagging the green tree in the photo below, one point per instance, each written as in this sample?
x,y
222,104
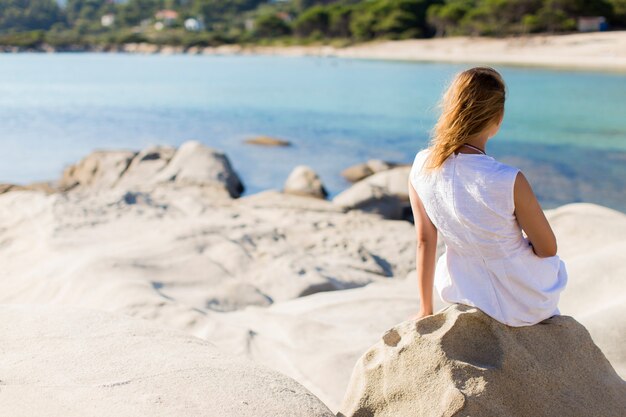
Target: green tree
x,y
315,19
446,17
25,15
270,26
133,12
390,18
339,20
618,17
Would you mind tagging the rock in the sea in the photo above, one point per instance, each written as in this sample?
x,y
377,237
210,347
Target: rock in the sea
x,y
267,141
462,362
65,362
358,172
192,164
385,193
304,181
198,165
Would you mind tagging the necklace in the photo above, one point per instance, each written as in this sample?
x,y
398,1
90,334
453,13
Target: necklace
x,y
474,147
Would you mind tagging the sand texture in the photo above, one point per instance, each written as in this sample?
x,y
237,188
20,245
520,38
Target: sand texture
x,y
461,362
61,361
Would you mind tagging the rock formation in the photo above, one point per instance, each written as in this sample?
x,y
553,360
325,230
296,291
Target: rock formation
x,y
461,362
304,181
177,250
358,172
385,193
192,164
253,275
66,362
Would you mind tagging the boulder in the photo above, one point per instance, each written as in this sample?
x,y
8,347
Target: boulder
x,y
460,361
198,165
385,193
60,361
192,164
304,181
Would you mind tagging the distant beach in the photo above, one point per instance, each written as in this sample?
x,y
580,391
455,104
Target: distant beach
x,y
590,51
602,51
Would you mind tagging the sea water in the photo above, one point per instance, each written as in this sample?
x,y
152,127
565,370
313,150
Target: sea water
x,y
566,130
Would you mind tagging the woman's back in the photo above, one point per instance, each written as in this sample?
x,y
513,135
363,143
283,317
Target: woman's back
x,y
488,262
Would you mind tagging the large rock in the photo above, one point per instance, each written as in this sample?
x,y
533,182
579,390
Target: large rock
x,y
304,181
192,164
592,242
385,193
75,362
460,361
198,165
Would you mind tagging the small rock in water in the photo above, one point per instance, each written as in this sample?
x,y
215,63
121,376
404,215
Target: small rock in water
x,y
304,181
267,141
360,171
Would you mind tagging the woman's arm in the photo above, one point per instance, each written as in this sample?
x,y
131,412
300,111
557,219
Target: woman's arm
x,y
425,253
531,218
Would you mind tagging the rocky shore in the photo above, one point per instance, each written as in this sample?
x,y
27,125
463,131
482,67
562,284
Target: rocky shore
x,y
142,283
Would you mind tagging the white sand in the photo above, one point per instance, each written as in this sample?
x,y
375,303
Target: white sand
x,y
604,51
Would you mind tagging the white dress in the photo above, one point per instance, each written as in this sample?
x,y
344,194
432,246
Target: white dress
x,y
488,263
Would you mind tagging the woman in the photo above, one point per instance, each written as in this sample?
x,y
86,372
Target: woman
x,y
480,206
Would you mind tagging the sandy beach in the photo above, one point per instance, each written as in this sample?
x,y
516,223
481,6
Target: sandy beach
x,y
605,51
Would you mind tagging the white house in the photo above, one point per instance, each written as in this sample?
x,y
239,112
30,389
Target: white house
x,y
591,23
107,20
193,25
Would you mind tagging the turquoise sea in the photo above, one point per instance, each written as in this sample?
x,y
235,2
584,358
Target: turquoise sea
x,y
565,129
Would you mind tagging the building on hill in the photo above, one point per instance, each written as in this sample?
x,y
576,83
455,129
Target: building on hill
x,y
592,23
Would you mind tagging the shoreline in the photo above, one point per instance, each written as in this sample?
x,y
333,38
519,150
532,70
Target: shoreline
x,y
596,51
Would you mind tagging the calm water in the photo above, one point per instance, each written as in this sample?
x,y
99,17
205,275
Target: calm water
x,y
565,130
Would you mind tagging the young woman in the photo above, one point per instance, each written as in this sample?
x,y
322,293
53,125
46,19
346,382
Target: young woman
x,y
480,206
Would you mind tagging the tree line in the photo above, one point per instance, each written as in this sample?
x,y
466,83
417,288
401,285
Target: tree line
x,y
28,22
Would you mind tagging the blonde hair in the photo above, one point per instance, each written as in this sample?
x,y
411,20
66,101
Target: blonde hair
x,y
473,100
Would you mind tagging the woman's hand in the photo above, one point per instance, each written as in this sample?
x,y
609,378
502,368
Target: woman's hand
x,y
421,314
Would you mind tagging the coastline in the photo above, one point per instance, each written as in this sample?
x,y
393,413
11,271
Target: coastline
x,y
280,280
597,51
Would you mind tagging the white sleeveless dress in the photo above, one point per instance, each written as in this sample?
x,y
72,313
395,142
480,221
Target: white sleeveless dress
x,y
488,262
